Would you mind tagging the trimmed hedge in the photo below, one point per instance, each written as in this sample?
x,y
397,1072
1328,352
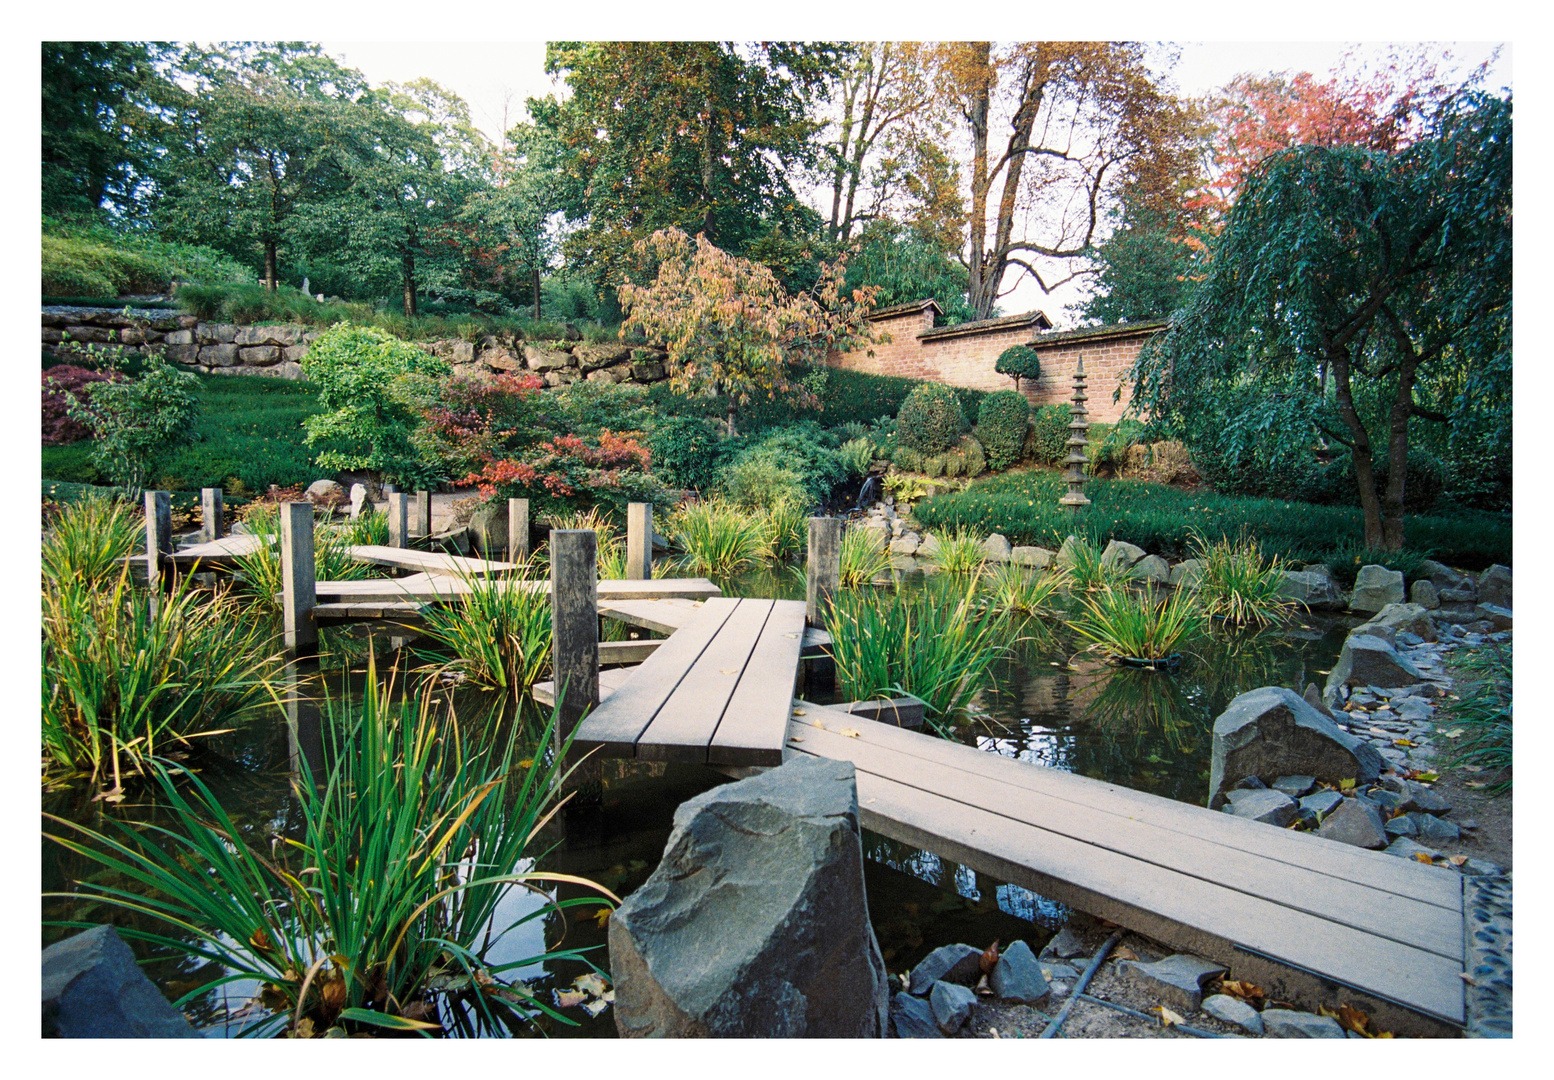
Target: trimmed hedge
x,y
1001,423
931,419
1024,507
1047,441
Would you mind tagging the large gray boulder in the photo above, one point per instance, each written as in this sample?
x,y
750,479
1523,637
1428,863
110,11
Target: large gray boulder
x,y
1399,618
1152,568
1494,586
1121,555
542,359
1368,661
1375,587
1445,579
1188,572
327,492
93,989
1065,557
1038,558
1425,594
997,549
755,923
1318,592
1272,732
488,530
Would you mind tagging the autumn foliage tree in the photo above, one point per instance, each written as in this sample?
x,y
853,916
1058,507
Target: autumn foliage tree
x,y
729,326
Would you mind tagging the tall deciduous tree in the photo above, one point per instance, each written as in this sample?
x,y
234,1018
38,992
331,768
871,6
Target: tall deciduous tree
x,y
729,326
1346,274
1053,129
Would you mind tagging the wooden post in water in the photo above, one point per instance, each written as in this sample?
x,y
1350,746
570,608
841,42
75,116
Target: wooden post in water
x,y
159,535
574,648
823,572
421,520
399,519
639,541
517,530
212,514
298,589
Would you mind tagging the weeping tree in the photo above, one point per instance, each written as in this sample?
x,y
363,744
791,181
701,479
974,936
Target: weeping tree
x,y
1352,292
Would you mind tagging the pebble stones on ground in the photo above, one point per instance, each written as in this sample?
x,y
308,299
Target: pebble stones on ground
x,y
1488,902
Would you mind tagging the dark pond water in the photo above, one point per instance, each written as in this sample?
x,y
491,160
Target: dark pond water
x,y
1048,703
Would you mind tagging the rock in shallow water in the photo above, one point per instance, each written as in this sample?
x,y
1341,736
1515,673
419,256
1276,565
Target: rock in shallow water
x,y
93,989
755,923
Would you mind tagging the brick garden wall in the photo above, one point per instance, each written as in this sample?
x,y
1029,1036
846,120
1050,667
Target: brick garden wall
x,y
964,355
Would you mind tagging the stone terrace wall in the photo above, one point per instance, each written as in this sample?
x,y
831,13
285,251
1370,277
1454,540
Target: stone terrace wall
x,y
964,355
274,351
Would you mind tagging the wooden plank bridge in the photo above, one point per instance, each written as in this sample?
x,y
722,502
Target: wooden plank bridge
x,y
1313,921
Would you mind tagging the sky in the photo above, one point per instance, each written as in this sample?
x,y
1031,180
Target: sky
x,y
496,77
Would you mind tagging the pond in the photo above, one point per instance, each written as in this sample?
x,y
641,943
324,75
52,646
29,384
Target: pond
x,y
1049,703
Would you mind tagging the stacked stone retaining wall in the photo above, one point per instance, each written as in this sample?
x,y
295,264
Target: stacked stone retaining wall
x,y
276,351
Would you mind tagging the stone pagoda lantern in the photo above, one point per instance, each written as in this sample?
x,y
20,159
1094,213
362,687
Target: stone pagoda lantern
x,y
1074,499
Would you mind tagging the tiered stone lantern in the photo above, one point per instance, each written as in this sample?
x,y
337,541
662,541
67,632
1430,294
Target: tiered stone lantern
x,y
1074,499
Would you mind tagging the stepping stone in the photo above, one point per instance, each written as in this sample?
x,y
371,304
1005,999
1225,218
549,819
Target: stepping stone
x,y
1294,786
1018,977
1065,945
1289,1024
1234,1011
1404,848
1177,980
1268,806
955,963
1355,822
952,1004
913,1018
1322,803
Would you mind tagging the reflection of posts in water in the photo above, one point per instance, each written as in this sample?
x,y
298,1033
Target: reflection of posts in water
x,y
304,720
574,649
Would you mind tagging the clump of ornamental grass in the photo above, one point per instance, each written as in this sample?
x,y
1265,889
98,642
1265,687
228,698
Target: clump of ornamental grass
x,y
128,677
593,518
1088,571
1237,585
379,915
87,538
718,538
939,648
864,561
369,529
497,630
1477,730
1013,588
787,523
259,571
959,551
1146,624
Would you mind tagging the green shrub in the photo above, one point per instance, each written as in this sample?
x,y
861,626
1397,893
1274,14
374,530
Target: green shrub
x,y
1047,441
1019,362
858,456
137,423
1001,425
1107,448
95,261
688,451
758,483
804,450
367,419
937,465
967,459
908,459
931,419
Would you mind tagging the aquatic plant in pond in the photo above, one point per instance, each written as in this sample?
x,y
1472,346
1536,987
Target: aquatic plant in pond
x,y
381,913
787,524
718,538
498,632
87,538
1088,571
1238,586
1128,624
259,572
1029,592
863,561
126,679
959,551
937,647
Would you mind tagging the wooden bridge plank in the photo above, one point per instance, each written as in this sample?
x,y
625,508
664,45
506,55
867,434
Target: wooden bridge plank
x,y
223,552
684,724
663,616
1430,884
619,721
755,724
1352,902
610,680
432,562
428,588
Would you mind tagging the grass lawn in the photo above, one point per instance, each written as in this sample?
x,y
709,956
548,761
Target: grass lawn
x,y
249,430
1023,506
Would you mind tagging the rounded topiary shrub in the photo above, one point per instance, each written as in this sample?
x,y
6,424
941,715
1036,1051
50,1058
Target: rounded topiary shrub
x,y
1047,440
908,459
1019,362
1001,423
931,419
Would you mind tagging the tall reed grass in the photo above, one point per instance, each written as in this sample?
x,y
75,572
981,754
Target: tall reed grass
x,y
718,538
87,537
1028,592
939,648
381,914
259,573
1124,623
787,523
497,632
126,679
864,562
1476,732
959,551
1237,585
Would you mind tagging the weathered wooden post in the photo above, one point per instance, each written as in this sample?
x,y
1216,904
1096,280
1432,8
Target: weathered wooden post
x,y
213,521
823,574
421,520
159,535
574,641
399,519
298,589
517,530
639,541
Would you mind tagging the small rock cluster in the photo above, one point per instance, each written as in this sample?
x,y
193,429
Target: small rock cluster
x,y
943,991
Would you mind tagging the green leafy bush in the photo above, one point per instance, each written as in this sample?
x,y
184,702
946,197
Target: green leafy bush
x,y
931,420
759,483
1019,362
688,451
137,423
908,459
367,419
1001,424
1047,441
858,456
94,261
806,451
